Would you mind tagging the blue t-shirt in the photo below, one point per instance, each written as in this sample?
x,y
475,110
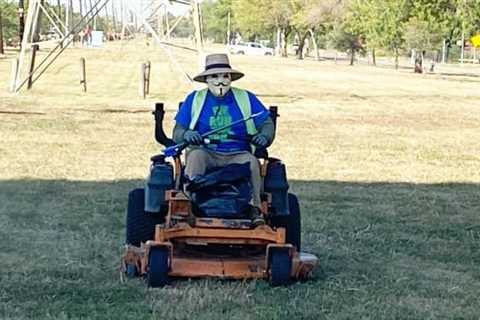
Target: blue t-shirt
x,y
218,112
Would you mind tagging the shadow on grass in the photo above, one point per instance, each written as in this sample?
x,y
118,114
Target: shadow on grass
x,y
22,113
115,110
462,74
406,250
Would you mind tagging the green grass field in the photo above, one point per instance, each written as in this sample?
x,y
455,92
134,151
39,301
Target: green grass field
x,y
386,165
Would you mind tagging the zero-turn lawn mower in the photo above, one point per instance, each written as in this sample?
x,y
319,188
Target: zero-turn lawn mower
x,y
168,236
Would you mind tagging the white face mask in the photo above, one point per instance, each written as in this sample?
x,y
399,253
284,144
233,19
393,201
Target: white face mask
x,y
219,84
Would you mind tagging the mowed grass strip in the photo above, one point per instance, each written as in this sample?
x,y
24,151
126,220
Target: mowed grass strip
x,y
385,165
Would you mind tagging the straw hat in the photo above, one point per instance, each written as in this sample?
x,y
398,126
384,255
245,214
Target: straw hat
x,y
217,63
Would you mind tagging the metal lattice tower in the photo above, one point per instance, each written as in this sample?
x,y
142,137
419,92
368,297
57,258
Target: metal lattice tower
x,y
150,16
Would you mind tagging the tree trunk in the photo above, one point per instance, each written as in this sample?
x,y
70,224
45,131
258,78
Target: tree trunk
x,y
1,34
278,45
447,53
418,63
396,58
301,45
285,34
374,57
423,61
315,47
352,55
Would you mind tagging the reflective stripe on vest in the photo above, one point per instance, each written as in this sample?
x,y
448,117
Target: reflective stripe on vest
x,y
241,98
197,106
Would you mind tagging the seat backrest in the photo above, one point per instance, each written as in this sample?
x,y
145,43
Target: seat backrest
x,y
160,135
262,153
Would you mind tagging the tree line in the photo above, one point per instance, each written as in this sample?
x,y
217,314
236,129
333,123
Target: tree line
x,y
389,26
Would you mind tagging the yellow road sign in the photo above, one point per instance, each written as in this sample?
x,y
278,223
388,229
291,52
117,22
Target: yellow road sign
x,y
475,40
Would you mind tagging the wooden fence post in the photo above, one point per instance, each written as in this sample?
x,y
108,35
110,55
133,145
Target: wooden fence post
x,y
83,74
32,65
141,89
148,68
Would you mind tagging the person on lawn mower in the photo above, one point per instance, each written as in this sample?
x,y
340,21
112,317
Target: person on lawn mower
x,y
214,107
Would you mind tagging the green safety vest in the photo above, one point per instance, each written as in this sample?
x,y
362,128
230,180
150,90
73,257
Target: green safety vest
x,y
243,102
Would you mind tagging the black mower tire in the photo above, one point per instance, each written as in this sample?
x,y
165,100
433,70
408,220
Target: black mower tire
x,y
294,227
292,223
140,224
157,275
280,267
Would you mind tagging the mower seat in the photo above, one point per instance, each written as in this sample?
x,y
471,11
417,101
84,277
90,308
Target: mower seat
x,y
222,192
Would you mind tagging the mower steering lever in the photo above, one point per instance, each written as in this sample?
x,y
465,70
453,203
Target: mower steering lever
x,y
177,149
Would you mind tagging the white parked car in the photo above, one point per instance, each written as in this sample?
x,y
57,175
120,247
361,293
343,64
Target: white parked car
x,y
251,48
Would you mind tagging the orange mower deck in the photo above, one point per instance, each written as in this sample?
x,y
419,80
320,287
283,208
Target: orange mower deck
x,y
219,231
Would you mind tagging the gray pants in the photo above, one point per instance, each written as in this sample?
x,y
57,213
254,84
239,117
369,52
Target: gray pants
x,y
199,160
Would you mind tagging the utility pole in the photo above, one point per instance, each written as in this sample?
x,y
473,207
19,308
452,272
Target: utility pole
x,y
1,34
21,20
228,28
198,31
462,54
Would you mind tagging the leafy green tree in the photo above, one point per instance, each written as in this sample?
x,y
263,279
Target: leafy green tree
x,y
381,23
344,39
471,17
347,33
421,34
9,19
251,17
263,18
439,19
215,19
184,29
280,14
311,16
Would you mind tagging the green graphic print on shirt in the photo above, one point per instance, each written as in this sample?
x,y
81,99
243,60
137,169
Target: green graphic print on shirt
x,y
221,117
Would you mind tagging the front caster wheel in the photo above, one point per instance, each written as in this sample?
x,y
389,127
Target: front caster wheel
x,y
280,266
158,266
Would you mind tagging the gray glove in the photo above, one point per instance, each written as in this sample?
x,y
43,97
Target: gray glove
x,y
260,140
193,137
